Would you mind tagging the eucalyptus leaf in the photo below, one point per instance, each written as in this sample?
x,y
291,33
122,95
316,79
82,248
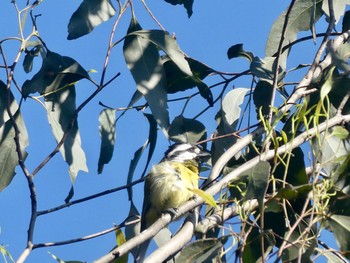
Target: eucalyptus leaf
x,y
56,72
346,21
238,51
188,4
186,130
61,108
338,9
143,60
162,40
108,135
203,250
89,14
340,226
262,96
302,17
8,151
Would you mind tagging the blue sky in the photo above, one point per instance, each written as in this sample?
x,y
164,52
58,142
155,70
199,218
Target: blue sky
x,y
206,36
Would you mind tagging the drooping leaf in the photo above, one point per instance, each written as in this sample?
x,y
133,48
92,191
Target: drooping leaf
x,y
206,197
227,119
29,58
188,4
252,250
231,104
262,96
186,130
177,80
64,261
302,17
151,142
340,132
331,150
341,56
61,108
89,14
121,239
55,73
132,229
143,60
265,69
338,9
204,250
340,226
258,179
108,135
162,40
8,152
238,51
346,21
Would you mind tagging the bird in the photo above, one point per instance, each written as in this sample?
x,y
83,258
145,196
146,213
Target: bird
x,y
168,184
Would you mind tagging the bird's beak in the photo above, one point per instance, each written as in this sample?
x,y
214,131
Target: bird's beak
x,y
204,155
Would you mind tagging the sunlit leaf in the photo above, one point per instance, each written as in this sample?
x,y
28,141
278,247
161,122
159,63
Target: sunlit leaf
x,y
340,132
162,40
231,104
64,261
55,73
8,152
301,18
265,68
143,60
186,130
108,135
61,107
89,14
206,197
238,51
203,250
338,8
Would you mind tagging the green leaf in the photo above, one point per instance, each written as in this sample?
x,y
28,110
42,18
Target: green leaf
x,y
262,96
61,108
341,56
252,250
264,69
162,40
206,197
143,60
108,135
231,104
8,152
340,226
238,51
204,250
132,229
346,21
89,14
29,58
187,130
331,150
258,181
188,4
340,132
338,8
56,72
64,261
5,253
301,18
177,80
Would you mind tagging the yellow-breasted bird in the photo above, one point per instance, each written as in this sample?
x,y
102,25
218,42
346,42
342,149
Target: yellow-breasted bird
x,y
168,184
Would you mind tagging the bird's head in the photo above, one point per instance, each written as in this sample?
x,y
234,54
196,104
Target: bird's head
x,y
182,152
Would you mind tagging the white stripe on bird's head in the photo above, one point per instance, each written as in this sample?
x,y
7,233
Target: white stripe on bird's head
x,y
184,152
